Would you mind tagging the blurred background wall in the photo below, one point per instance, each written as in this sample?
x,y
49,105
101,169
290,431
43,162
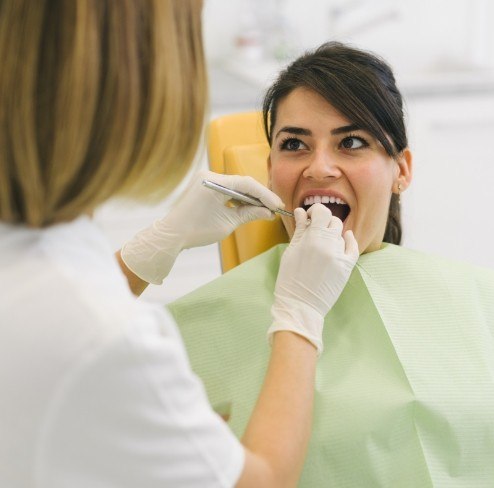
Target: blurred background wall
x,y
443,56
414,35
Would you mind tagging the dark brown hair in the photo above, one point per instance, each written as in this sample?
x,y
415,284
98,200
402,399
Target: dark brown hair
x,y
97,98
362,87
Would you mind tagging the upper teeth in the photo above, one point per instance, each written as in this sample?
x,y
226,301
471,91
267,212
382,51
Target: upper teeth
x,y
323,199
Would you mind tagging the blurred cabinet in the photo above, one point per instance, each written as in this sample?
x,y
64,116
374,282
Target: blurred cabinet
x,y
448,209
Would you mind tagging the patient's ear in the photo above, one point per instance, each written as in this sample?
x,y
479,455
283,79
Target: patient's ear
x,y
405,170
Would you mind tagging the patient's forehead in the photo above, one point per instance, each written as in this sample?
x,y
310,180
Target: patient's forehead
x,y
305,108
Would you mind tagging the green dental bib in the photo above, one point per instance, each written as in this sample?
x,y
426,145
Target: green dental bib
x,y
404,387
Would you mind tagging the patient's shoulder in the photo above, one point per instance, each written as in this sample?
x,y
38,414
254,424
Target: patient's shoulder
x,y
392,253
397,263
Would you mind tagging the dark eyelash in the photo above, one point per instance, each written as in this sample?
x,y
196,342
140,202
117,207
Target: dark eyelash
x,y
355,136
284,142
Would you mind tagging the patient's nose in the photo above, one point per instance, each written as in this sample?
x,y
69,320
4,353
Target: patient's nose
x,y
322,165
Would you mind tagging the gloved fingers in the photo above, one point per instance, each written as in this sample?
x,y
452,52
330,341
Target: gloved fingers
x,y
336,225
247,213
319,215
351,245
300,216
247,184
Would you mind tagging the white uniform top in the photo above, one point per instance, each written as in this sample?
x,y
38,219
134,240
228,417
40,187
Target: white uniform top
x,y
95,386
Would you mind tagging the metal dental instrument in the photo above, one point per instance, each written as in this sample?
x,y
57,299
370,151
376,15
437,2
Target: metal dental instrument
x,y
241,197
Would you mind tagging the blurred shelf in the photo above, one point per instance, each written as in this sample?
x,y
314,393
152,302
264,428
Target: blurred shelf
x,y
446,83
238,84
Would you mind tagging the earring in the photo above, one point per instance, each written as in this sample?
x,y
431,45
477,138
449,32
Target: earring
x,y
399,192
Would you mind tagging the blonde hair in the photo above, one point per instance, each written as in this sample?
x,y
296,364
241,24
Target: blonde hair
x,y
97,98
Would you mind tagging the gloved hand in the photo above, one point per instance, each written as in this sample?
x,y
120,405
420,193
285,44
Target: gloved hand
x,y
200,217
314,269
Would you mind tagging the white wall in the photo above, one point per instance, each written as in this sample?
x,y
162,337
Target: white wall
x,y
448,208
413,35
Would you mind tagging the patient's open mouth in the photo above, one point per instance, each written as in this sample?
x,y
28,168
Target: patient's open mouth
x,y
338,207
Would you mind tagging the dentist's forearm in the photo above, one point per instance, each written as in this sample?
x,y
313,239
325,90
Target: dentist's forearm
x,y
136,284
279,430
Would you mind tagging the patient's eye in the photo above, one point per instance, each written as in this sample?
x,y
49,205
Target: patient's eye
x,y
353,142
292,144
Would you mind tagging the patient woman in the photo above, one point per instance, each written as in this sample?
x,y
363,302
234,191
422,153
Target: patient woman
x,y
405,385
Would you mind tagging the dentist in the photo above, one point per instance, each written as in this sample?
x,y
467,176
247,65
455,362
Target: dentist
x,y
100,98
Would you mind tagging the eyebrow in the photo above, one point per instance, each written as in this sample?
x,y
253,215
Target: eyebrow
x,y
299,131
294,130
345,128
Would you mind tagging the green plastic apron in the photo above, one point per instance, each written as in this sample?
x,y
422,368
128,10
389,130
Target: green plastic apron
x,y
404,387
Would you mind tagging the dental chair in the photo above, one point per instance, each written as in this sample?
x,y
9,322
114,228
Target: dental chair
x,y
237,145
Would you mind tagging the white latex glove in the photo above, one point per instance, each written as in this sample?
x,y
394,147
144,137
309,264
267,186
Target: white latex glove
x,y
314,269
200,217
